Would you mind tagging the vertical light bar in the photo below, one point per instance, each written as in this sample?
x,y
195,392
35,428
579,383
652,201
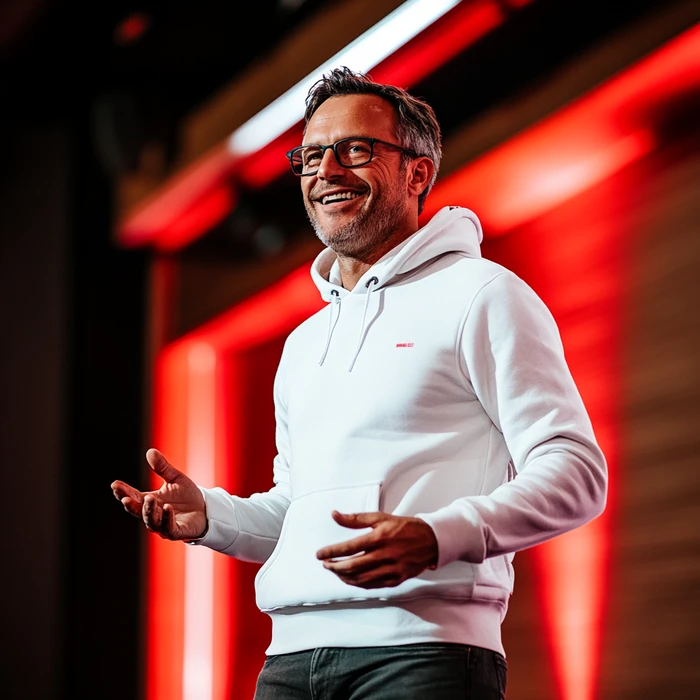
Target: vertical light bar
x,y
365,52
166,560
197,672
585,271
572,568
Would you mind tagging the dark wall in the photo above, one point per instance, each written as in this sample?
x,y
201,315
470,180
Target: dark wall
x,y
71,421
34,269
102,596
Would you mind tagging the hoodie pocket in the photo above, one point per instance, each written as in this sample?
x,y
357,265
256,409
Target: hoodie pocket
x,y
293,576
494,578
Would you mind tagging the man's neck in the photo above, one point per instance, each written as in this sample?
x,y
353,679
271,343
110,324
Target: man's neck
x,y
352,268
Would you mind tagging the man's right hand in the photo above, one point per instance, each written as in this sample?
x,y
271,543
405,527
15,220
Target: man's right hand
x,y
176,511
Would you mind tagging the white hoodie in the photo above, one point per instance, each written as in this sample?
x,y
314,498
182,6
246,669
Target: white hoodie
x,y
436,388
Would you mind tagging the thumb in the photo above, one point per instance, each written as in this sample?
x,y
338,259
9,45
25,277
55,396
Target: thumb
x,y
358,520
162,467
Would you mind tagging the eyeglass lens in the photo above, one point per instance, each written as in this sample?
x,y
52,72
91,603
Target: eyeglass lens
x,y
349,153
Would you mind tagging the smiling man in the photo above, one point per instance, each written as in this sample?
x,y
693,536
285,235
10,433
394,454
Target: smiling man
x,y
428,428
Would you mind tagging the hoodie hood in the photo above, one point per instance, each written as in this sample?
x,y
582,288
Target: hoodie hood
x,y
452,229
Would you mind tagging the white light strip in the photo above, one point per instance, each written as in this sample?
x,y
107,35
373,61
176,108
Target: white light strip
x,y
198,671
362,54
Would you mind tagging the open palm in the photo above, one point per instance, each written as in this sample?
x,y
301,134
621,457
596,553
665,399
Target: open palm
x,y
176,511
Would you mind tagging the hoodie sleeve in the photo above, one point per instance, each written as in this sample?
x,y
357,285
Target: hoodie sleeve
x,y
248,528
512,355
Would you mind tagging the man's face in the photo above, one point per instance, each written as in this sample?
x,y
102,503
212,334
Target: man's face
x,y
378,202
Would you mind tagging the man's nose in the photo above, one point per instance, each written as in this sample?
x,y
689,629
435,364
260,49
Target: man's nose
x,y
329,166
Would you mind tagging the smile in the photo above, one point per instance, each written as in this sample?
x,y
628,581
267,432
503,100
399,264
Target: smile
x,y
336,197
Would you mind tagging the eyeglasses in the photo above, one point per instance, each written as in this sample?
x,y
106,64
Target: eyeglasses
x,y
352,152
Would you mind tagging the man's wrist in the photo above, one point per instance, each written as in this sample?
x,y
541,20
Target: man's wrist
x,y
433,564
200,537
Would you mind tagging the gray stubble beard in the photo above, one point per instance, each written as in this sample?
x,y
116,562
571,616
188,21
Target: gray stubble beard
x,y
361,236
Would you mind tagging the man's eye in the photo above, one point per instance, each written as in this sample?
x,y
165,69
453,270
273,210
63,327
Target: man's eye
x,y
312,157
358,148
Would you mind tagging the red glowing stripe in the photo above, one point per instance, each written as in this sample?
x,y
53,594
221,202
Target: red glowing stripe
x,y
166,561
439,43
542,169
226,644
202,216
580,145
183,193
261,168
573,568
200,465
267,315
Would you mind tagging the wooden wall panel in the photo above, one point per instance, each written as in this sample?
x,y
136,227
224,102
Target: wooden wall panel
x,y
653,638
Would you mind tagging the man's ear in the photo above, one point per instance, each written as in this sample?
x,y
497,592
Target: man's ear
x,y
420,174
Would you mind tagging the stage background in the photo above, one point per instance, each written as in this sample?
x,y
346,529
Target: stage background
x,y
92,315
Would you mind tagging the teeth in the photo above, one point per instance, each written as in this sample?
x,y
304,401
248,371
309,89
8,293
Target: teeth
x,y
338,197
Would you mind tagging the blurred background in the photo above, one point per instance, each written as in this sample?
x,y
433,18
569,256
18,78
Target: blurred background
x,y
154,254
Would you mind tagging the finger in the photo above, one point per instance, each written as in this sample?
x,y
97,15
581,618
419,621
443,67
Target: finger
x,y
152,513
167,524
162,467
122,490
383,577
390,580
132,506
365,543
360,564
358,520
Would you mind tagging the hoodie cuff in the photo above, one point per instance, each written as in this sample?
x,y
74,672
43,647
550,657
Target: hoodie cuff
x,y
222,521
459,532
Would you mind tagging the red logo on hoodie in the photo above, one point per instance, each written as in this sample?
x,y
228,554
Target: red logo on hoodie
x,y
404,345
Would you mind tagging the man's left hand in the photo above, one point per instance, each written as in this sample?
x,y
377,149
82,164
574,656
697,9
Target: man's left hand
x,y
398,548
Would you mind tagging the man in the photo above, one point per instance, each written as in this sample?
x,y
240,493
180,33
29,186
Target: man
x,y
427,428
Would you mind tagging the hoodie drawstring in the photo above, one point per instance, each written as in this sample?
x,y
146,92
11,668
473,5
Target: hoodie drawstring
x,y
331,323
372,280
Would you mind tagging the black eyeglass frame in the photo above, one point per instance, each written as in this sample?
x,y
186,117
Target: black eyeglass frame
x,y
371,141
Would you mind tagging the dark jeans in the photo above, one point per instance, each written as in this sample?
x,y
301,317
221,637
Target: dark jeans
x,y
410,672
